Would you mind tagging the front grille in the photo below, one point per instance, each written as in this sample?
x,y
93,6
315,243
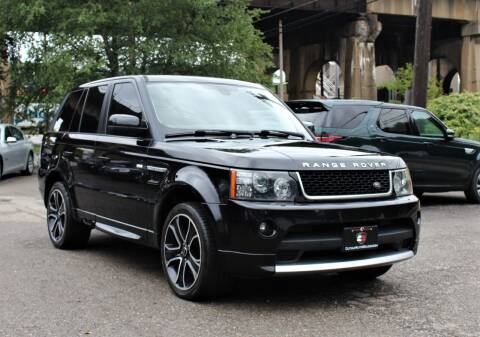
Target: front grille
x,y
345,183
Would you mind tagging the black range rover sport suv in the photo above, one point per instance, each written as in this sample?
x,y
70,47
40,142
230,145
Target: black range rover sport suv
x,y
224,180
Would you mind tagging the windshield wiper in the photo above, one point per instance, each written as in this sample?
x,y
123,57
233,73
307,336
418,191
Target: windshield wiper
x,y
279,133
207,133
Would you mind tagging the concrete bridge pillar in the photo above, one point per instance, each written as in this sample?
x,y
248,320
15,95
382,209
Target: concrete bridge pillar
x,y
357,57
470,61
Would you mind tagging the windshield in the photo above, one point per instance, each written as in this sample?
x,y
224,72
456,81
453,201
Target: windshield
x,y
207,106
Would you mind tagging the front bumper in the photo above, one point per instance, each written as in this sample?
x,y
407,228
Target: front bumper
x,y
308,236
376,260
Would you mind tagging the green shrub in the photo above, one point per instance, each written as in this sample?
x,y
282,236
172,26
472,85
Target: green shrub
x,y
460,112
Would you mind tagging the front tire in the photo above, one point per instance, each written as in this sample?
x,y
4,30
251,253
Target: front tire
x,y
28,171
189,253
366,274
64,231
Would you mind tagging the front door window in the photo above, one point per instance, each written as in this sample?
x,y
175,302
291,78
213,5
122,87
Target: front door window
x,y
426,125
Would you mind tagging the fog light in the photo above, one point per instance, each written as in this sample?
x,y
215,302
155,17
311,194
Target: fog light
x,y
266,229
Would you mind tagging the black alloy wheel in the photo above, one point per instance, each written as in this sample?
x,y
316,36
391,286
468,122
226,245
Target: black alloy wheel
x,y
64,231
189,253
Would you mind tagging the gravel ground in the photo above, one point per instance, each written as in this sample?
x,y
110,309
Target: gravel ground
x,y
115,288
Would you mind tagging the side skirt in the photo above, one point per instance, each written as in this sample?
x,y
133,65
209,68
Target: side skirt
x,y
116,231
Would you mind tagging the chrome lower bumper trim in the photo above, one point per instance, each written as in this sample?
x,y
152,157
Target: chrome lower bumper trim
x,y
376,261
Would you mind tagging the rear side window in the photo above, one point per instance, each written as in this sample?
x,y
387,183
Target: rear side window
x,y
337,117
67,111
92,109
75,124
394,121
345,117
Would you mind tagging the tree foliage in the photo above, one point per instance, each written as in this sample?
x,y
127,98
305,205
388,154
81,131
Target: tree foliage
x,y
404,81
57,44
460,112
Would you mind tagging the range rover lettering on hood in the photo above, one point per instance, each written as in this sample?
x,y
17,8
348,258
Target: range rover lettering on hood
x,y
344,164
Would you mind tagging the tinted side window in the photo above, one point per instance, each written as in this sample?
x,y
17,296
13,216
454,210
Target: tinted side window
x,y
125,100
92,109
75,124
426,124
394,121
346,117
317,118
16,133
67,111
337,117
8,133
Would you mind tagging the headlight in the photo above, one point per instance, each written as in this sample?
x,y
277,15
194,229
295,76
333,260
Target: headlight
x,y
402,182
262,185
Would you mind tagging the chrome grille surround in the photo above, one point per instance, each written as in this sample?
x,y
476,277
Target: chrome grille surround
x,y
346,196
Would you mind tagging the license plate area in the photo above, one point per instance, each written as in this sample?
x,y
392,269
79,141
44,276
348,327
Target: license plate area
x,y
360,238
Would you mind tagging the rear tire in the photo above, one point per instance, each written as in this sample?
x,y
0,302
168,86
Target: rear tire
x,y
473,191
366,274
28,171
64,231
1,168
189,253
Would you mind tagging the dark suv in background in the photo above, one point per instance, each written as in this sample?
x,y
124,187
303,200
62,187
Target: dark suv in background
x,y
224,179
438,161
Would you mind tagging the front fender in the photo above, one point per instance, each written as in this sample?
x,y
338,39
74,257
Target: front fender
x,y
200,182
193,181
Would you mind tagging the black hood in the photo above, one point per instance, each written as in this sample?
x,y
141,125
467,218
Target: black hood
x,y
274,154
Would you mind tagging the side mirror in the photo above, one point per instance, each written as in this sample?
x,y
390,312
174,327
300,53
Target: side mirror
x,y
309,125
124,120
10,140
449,134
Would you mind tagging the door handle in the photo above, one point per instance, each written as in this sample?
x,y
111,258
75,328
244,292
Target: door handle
x,y
381,139
67,154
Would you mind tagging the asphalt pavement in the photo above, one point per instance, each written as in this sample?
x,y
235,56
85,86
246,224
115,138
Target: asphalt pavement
x,y
116,288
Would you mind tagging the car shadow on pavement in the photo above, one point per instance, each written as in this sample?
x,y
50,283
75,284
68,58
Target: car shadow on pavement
x,y
11,176
444,199
328,289
122,252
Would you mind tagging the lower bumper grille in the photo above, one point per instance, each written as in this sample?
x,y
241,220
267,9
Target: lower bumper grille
x,y
307,243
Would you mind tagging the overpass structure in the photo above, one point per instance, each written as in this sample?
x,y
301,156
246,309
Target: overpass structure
x,y
361,36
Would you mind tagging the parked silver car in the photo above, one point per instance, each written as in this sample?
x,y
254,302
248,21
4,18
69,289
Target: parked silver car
x,y
16,152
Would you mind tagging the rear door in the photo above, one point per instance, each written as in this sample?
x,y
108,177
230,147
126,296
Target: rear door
x,y
80,149
392,132
447,163
121,155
